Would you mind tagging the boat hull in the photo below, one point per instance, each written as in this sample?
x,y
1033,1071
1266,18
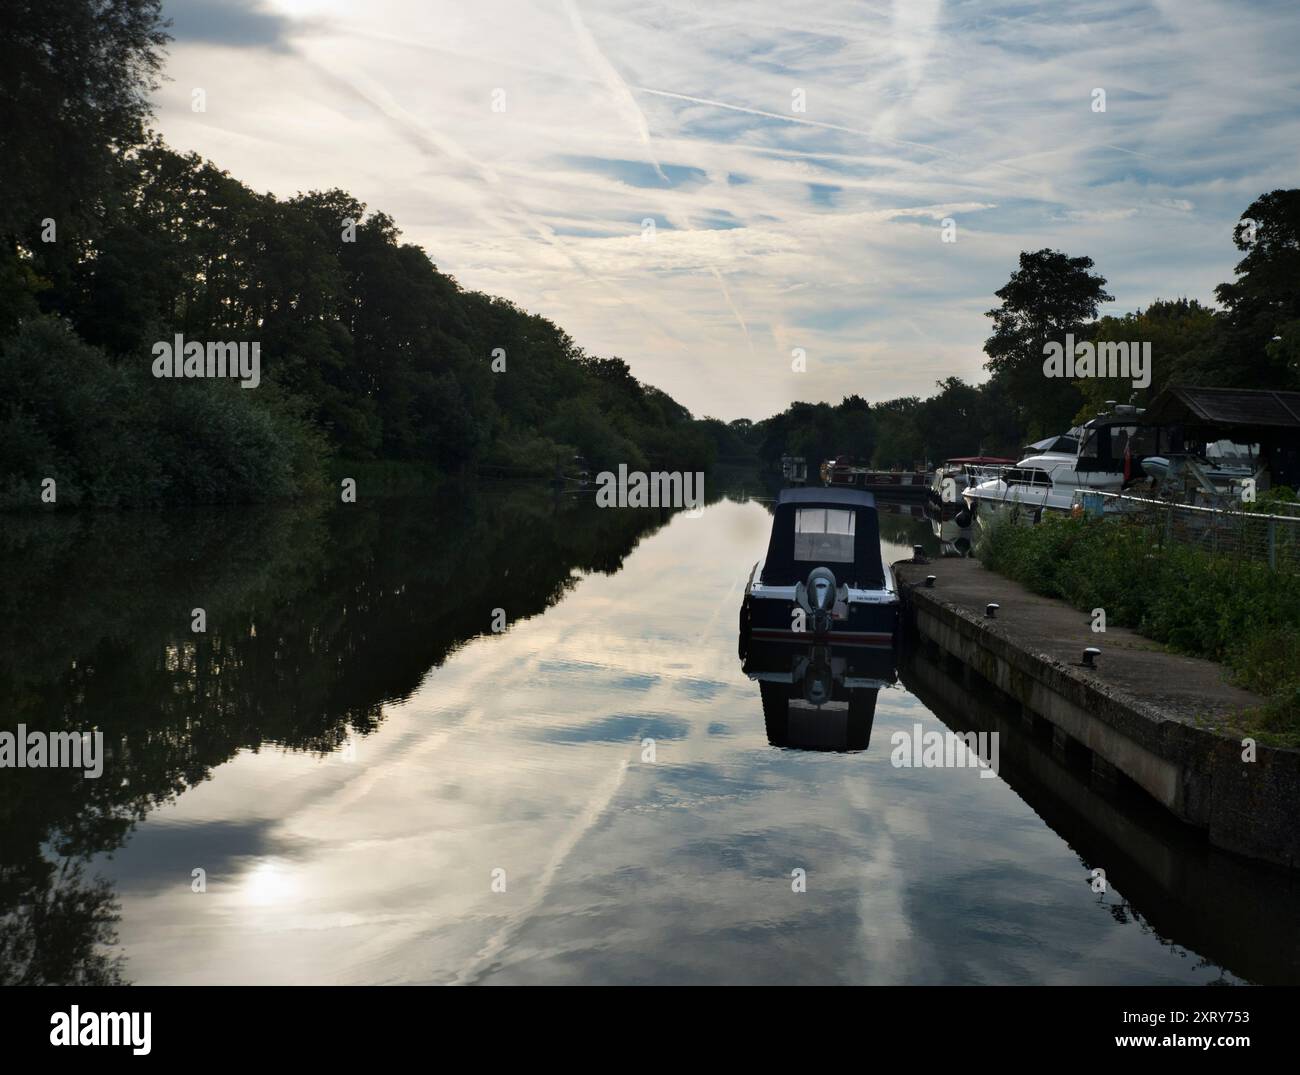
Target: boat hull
x,y
866,626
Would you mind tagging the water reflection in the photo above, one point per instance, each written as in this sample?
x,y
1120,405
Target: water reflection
x,y
1210,908
818,697
351,755
954,540
315,620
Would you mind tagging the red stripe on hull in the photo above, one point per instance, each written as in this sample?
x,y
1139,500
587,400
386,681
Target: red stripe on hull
x,y
874,639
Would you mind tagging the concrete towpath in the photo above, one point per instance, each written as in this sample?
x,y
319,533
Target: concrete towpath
x,y
1187,689
1161,719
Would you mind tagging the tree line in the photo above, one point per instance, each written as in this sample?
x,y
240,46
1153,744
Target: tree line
x,y
111,242
1252,341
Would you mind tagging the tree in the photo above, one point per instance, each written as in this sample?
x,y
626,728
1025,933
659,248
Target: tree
x,y
898,439
855,427
951,423
1049,296
1264,300
1185,340
365,347
75,79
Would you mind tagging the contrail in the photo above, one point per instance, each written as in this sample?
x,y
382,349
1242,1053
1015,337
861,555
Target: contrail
x,y
1133,152
433,142
612,79
829,127
726,294
796,119
583,823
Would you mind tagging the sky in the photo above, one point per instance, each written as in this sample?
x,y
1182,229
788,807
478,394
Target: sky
x,y
719,193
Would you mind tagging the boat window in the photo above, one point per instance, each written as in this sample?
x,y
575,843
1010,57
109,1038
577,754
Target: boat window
x,y
1089,448
824,534
1229,453
1027,476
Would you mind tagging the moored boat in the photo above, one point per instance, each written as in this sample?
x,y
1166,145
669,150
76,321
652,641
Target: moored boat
x,y
1103,454
952,478
1118,450
844,471
824,580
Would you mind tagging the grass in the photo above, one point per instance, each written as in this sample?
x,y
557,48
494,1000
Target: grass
x,y
1234,611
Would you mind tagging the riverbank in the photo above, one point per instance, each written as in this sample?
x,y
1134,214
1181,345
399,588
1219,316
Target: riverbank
x,y
1149,715
1230,609
1232,910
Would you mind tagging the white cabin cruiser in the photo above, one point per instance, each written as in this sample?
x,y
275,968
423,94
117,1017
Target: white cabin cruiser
x,y
1111,450
1044,479
1036,484
1103,454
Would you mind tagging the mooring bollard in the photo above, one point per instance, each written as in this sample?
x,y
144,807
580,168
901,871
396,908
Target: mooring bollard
x,y
929,582
991,610
1090,655
918,554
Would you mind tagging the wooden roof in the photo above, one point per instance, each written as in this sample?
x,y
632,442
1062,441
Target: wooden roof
x,y
1237,407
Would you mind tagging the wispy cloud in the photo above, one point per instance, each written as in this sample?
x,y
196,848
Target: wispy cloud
x,y
776,228
609,75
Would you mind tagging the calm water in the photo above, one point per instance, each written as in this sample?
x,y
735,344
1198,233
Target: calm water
x,y
354,758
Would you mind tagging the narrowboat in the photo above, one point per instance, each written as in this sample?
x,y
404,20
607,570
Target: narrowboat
x,y
824,580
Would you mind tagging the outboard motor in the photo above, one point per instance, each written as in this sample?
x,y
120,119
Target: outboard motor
x,y
821,592
819,679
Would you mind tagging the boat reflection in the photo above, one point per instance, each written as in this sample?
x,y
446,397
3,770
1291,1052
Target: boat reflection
x,y
954,540
818,697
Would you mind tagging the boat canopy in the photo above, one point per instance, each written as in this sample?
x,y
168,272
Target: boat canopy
x,y
834,528
1066,442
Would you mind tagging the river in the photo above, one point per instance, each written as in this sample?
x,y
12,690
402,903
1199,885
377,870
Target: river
x,y
350,777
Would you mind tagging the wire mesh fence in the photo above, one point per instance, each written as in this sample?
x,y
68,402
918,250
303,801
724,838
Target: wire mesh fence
x,y
1269,538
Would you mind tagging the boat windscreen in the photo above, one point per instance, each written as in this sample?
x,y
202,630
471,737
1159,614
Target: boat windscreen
x,y
1062,443
824,534
844,536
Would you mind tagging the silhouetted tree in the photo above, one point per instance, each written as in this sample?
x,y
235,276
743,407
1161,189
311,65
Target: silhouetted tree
x,y
1048,296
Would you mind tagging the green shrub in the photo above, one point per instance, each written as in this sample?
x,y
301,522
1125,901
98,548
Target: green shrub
x,y
1238,612
524,453
111,435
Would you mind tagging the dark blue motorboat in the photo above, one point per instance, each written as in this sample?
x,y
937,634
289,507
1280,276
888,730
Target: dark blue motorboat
x,y
824,580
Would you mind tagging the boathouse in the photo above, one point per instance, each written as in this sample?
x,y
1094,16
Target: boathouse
x,y
1197,415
